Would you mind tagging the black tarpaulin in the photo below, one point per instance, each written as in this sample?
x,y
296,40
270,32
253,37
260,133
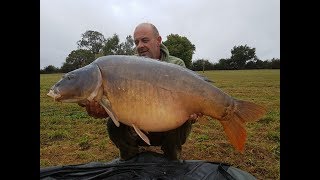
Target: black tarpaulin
x,y
147,165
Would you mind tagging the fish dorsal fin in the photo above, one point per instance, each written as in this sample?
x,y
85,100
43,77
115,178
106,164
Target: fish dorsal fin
x,y
104,102
141,134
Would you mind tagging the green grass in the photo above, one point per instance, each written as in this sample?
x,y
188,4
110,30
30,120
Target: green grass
x,y
69,136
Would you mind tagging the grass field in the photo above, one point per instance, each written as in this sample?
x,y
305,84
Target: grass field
x,y
69,136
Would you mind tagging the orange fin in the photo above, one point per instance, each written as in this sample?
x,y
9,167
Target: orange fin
x,y
233,123
248,111
236,133
141,134
106,105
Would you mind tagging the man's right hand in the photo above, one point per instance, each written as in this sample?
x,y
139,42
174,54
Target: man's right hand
x,y
94,109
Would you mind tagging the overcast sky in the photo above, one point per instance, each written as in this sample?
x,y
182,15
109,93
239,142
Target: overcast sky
x,y
213,26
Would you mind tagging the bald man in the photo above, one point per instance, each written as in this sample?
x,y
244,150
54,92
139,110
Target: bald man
x,y
149,44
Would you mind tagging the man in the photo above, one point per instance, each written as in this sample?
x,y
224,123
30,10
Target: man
x,y
148,43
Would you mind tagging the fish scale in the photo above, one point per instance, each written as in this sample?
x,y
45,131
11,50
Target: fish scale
x,y
155,96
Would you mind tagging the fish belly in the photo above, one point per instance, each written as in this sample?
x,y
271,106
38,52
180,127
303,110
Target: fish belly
x,y
148,107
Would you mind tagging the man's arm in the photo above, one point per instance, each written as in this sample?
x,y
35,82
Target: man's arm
x,y
94,109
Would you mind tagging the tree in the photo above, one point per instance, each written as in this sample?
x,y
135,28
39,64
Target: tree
x,y
77,59
242,54
92,40
259,64
255,64
66,67
223,64
275,63
128,46
250,65
202,65
180,47
49,69
112,46
266,64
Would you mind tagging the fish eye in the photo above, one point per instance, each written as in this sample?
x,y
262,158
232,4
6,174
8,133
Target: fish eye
x,y
71,76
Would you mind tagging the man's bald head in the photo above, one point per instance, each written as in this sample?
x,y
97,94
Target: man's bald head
x,y
147,40
150,27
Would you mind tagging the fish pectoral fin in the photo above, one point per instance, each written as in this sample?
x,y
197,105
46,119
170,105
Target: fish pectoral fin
x,y
141,134
106,105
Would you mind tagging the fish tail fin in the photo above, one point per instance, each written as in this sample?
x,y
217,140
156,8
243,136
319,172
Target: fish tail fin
x,y
233,123
235,133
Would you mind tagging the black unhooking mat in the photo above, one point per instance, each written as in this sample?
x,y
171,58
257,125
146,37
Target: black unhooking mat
x,y
147,166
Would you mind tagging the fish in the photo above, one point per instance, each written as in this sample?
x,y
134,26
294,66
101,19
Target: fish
x,y
155,96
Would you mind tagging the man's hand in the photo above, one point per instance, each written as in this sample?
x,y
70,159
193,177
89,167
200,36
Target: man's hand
x,y
94,109
194,117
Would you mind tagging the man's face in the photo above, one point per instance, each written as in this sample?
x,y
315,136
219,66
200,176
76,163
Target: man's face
x,y
146,42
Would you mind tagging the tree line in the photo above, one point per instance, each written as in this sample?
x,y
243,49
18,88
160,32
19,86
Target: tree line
x,y
93,44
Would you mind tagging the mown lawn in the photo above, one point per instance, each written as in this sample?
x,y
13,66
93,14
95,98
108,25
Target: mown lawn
x,y
69,136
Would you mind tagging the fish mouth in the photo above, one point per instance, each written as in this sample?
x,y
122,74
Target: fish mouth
x,y
54,95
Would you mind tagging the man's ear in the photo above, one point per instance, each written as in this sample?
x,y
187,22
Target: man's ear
x,y
159,39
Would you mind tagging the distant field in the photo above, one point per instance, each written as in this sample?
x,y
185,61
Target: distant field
x,y
69,136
